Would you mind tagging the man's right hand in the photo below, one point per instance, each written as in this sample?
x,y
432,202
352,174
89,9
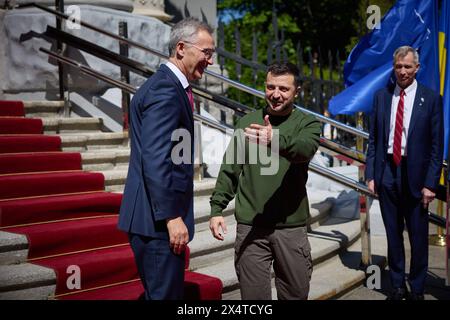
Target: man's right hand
x,y
371,186
178,234
214,224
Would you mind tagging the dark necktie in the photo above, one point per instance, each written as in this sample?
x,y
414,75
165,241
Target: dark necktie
x,y
190,96
397,153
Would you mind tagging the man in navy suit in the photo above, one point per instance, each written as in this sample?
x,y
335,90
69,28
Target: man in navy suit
x,y
404,160
157,205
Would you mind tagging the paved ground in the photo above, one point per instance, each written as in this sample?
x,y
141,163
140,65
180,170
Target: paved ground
x,y
435,288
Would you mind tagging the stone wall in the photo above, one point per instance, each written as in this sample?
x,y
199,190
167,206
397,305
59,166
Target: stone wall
x,y
25,69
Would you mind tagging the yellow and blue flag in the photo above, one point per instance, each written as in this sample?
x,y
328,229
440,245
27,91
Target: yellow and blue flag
x,y
444,68
369,65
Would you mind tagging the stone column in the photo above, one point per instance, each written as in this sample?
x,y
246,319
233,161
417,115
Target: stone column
x,y
151,8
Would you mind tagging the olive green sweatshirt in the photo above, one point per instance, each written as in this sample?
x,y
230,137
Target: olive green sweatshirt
x,y
265,196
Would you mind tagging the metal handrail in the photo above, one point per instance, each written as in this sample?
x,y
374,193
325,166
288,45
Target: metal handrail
x,y
210,123
130,89
146,71
217,76
121,85
90,71
323,171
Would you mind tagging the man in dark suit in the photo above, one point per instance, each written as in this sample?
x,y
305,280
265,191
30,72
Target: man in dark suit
x,y
403,166
157,205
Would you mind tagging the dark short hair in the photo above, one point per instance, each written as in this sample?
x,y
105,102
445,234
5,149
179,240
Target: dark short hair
x,y
282,68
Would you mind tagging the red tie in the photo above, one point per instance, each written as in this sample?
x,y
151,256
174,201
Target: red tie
x,y
191,97
399,129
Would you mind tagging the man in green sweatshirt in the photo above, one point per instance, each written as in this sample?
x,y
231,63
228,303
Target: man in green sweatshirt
x,y
271,201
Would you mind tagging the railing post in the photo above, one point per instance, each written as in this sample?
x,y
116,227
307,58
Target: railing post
x,y
237,34
59,4
364,216
124,74
254,59
221,57
198,155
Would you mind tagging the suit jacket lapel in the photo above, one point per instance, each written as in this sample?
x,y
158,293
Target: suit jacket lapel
x,y
417,106
181,91
387,112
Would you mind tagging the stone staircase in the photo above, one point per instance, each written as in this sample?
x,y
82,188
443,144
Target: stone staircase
x,y
334,241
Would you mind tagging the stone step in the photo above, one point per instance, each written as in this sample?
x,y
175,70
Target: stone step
x,y
343,272
43,108
326,241
76,142
24,276
204,187
115,181
108,159
37,293
13,248
202,210
72,125
320,205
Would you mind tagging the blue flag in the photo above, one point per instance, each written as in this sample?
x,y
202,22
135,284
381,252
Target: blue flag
x,y
444,67
369,66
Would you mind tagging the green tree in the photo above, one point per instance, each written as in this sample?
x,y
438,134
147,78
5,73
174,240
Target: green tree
x,y
325,25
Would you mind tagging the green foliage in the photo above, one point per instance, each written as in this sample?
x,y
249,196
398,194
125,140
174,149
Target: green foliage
x,y
360,24
325,25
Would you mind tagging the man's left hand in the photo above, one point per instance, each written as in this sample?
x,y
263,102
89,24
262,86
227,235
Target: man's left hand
x,y
427,197
260,134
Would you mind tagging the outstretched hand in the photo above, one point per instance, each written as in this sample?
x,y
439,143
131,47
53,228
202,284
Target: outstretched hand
x,y
261,134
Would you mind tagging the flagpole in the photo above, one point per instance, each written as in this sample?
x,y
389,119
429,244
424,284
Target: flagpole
x,y
366,255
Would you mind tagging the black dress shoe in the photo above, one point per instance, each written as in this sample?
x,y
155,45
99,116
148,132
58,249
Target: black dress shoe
x,y
398,294
416,296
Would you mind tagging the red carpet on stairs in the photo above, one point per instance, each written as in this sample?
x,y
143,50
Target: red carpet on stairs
x,y
39,161
12,108
38,184
29,143
67,217
132,290
196,287
50,208
16,125
71,235
98,267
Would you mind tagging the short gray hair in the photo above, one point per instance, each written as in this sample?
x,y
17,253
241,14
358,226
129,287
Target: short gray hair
x,y
186,30
403,51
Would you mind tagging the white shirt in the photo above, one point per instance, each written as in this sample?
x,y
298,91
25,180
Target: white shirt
x,y
179,74
410,94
